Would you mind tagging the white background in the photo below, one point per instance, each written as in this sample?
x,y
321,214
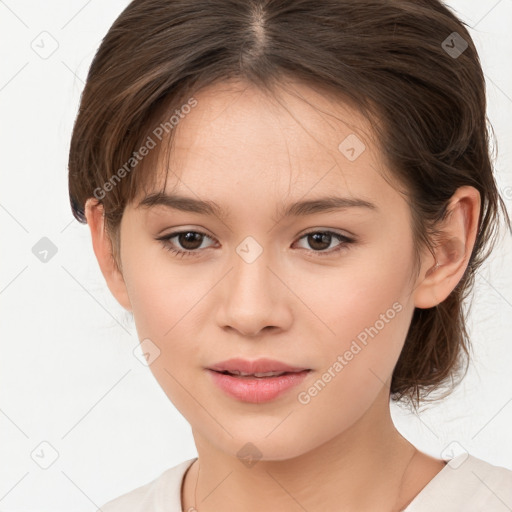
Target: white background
x,y
68,374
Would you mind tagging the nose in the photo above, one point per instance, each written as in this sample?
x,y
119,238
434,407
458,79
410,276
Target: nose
x,y
254,298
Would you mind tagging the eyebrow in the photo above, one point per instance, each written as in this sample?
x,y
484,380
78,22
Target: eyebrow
x,y
300,208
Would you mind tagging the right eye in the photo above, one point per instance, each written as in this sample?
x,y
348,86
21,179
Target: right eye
x,y
188,239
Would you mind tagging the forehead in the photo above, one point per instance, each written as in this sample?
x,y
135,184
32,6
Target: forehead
x,y
300,141
236,119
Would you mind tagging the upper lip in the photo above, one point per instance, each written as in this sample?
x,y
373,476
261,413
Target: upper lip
x,y
257,366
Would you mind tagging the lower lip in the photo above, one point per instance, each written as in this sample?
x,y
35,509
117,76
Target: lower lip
x,y
257,390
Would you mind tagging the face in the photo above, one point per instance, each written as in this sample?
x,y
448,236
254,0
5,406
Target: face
x,y
325,289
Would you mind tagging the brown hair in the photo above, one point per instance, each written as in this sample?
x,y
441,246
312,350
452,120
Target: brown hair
x,y
410,66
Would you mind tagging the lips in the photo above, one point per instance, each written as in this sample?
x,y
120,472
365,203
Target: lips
x,y
262,368
257,381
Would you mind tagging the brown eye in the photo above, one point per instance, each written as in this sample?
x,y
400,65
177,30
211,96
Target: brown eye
x,y
186,243
320,241
189,240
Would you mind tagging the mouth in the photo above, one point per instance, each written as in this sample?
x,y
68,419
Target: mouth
x,y
257,387
257,375
259,368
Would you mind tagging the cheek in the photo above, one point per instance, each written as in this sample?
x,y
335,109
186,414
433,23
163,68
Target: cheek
x,y
165,303
365,311
357,360
162,294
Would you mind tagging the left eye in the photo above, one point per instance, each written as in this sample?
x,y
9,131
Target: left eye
x,y
191,241
321,240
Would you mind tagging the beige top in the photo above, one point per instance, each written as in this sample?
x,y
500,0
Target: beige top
x,y
466,484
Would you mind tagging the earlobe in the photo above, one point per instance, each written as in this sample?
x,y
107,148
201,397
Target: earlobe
x,y
102,246
438,278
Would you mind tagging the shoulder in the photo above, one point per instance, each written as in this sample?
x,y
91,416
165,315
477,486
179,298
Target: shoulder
x,y
466,483
161,494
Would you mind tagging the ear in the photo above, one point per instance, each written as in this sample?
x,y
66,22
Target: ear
x,y
438,278
102,246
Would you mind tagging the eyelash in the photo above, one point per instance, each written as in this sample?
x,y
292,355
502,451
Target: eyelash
x,y
165,240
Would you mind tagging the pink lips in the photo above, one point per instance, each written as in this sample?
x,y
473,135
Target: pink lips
x,y
255,389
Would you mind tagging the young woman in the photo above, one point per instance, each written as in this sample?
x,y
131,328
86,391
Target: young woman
x,y
292,197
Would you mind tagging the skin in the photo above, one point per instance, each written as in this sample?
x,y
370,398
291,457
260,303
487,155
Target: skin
x,y
248,153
